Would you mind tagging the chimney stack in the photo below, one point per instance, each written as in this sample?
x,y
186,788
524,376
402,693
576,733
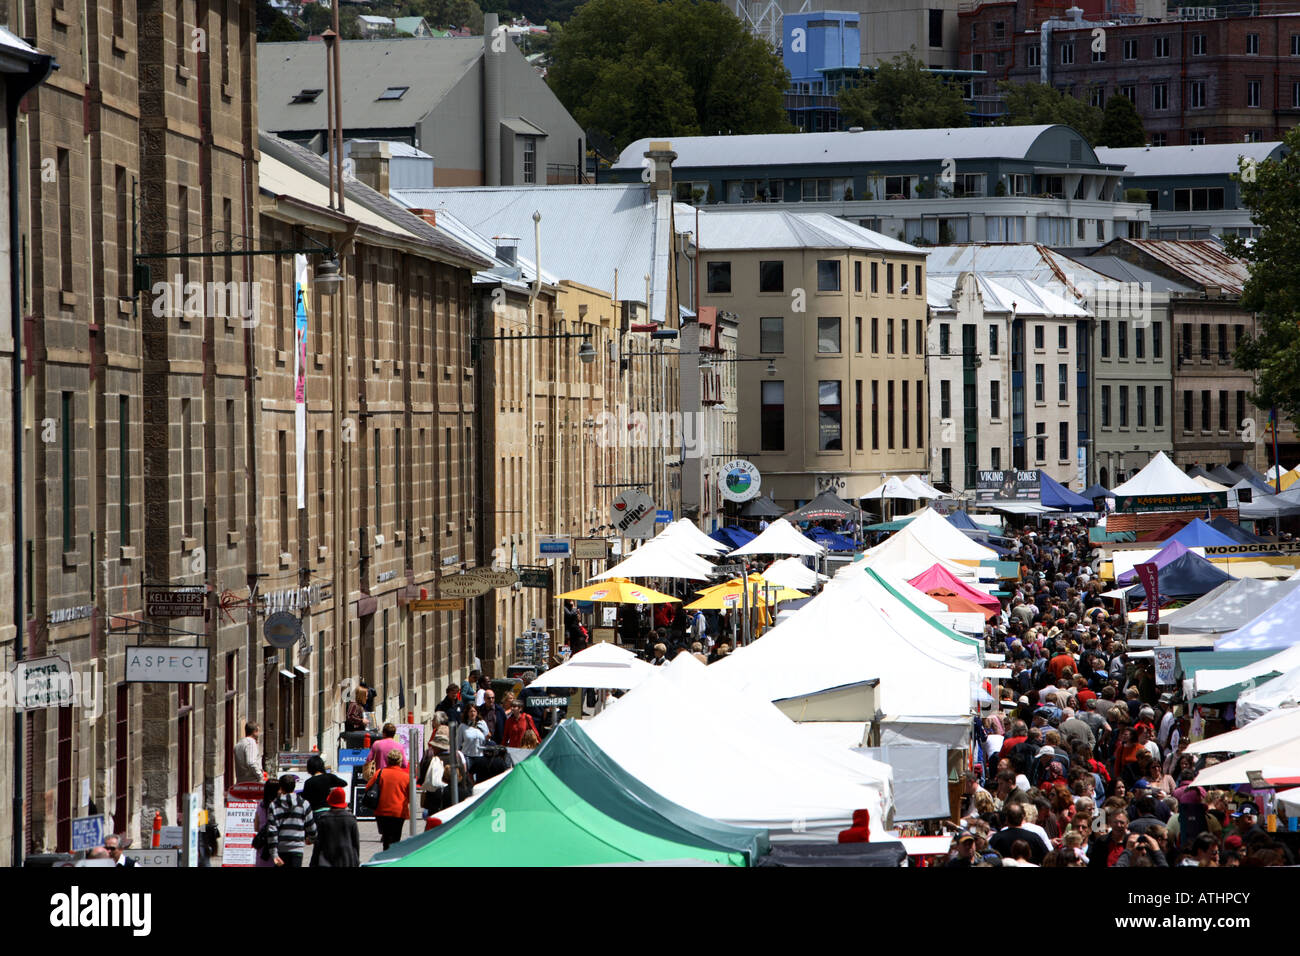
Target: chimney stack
x,y
661,158
370,161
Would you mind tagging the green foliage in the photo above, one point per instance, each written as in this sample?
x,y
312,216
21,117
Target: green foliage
x,y
272,25
638,68
903,94
282,31
1033,104
1271,191
1120,125
1135,195
441,14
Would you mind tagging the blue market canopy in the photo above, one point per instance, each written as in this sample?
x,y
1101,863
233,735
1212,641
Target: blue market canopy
x,y
1197,534
1057,497
1188,575
1096,491
832,541
733,536
1236,532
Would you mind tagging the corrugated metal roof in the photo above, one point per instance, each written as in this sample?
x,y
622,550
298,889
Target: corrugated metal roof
x,y
13,45
1202,261
1032,262
870,146
1006,295
429,66
1205,160
499,271
396,149
1124,271
588,231
750,228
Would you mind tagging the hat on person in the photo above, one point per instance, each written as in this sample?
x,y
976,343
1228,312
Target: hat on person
x,y
965,835
1024,700
442,739
1143,784
337,798
1232,842
1047,751
1247,809
1146,712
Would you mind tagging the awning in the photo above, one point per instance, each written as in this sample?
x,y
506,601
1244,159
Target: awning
x,y
1016,507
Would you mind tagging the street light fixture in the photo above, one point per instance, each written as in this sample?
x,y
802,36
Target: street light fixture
x,y
586,352
326,276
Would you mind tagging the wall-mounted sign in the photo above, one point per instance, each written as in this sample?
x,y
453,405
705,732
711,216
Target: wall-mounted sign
x,y
1005,485
664,516
633,514
282,629
463,586
739,480
43,682
554,546
292,599
385,576
496,579
535,577
590,549
438,604
65,614
168,665
174,602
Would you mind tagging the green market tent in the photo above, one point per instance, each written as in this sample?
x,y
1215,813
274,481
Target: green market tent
x,y
1229,694
594,776
534,819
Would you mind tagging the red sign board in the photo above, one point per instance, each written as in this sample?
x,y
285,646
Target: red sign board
x,y
1149,575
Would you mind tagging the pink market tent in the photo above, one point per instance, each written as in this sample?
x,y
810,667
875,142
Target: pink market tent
x,y
939,577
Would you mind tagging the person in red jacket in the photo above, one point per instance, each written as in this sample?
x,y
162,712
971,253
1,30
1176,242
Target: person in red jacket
x,y
518,724
394,785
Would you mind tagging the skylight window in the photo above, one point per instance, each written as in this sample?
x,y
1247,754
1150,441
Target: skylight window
x,y
394,93
306,96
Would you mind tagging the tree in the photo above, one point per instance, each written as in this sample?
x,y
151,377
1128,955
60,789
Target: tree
x,y
903,94
1120,125
272,25
1033,104
282,31
1271,191
639,68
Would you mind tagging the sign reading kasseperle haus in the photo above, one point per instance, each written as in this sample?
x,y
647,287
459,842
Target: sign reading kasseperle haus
x,y
1187,502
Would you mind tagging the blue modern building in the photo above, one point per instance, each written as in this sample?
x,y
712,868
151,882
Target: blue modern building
x,y
822,51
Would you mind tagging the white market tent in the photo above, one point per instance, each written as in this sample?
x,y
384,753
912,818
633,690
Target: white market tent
x,y
686,535
1268,696
1209,485
923,488
1274,627
1289,800
659,559
1236,770
1160,477
1279,663
1273,728
793,573
1231,605
602,665
735,758
893,488
780,537
927,540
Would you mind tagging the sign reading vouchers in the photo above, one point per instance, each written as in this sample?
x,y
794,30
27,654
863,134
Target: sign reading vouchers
x,y
1213,500
1006,485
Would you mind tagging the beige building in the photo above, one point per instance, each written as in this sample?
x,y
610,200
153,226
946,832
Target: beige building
x,y
831,342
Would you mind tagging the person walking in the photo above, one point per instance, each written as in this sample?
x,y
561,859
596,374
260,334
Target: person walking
x,y
394,785
248,755
517,724
357,719
292,825
316,788
338,842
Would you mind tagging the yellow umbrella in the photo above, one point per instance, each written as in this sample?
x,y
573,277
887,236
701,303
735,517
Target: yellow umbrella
x,y
728,594
619,591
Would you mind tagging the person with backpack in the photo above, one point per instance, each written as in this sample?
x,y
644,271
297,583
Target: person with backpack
x,y
292,824
338,842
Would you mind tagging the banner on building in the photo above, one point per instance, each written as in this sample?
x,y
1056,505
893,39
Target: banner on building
x,y
1006,485
1191,501
300,374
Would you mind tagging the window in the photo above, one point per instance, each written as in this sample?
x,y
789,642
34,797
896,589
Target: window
x,y
857,334
67,475
719,274
1040,442
1223,411
977,61
1252,44
875,415
828,416
124,470
772,426
1062,338
1186,351
945,337
936,28
1223,342
889,413
1098,56
1105,338
920,413
1123,406
1196,94
904,420
995,459
1062,383
1123,340
1198,44
771,276
307,96
1032,55
1139,342
1130,92
1000,58
1157,340
889,336
945,465
1105,406
1196,138
1130,49
917,290
1038,337
1205,410
857,414
1040,389
857,276
392,93
1067,57
828,334
1241,409
993,340
1205,343
1295,44
530,159
995,400
1252,93
1157,139
1187,411
1160,96
1160,48
1295,95
889,278
1158,407
875,277
828,275
945,398
875,335
771,334
1063,441
899,187
755,190
902,330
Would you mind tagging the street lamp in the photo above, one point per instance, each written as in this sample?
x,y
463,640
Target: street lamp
x,y
586,352
326,276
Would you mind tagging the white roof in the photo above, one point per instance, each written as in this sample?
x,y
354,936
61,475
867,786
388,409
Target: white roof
x,y
780,537
1209,485
1160,477
1007,295
1275,627
280,179
793,573
893,487
1185,160
745,763
1269,695
934,534
1229,606
376,21
1026,260
1273,728
659,559
922,488
686,535
600,665
869,146
748,227
1236,770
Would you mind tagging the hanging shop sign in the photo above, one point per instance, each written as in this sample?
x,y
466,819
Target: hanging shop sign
x,y
739,480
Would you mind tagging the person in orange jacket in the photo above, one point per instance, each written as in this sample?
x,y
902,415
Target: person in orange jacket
x,y
518,724
394,785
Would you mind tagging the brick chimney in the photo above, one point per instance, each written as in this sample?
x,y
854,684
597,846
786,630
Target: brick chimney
x,y
371,164
428,215
661,156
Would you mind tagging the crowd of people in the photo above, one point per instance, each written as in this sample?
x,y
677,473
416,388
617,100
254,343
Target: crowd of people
x,y
1082,760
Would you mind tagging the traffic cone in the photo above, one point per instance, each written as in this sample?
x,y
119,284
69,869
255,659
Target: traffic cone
x,y
157,828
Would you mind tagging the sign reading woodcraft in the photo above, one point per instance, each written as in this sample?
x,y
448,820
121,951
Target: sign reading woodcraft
x,y
1187,502
1280,547
739,480
168,665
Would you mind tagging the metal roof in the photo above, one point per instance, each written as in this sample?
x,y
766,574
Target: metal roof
x,y
430,66
1005,295
13,46
870,146
396,148
750,228
1202,261
1029,261
588,231
1176,161
1124,271
499,271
